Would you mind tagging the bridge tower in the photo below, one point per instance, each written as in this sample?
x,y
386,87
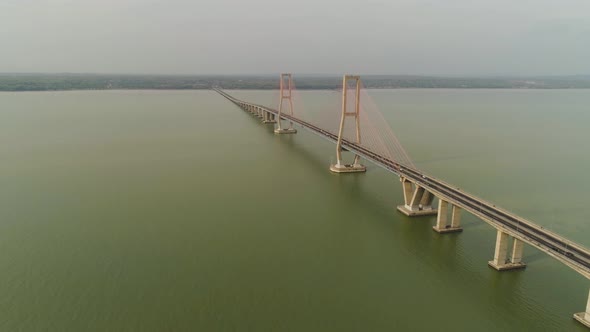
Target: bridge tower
x,y
285,94
339,167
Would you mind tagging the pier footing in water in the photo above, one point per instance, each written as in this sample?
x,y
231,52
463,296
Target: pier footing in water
x,y
583,317
507,266
286,131
341,168
448,229
413,212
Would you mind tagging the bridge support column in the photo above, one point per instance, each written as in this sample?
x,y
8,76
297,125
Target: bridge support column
x,y
268,117
417,200
442,221
584,317
517,249
500,261
355,167
285,94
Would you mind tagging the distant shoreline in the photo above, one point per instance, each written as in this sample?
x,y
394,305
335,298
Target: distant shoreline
x,y
74,82
257,89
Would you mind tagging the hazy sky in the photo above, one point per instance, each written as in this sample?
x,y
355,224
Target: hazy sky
x,y
427,37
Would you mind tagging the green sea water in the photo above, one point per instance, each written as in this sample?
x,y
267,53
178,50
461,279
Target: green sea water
x,y
177,211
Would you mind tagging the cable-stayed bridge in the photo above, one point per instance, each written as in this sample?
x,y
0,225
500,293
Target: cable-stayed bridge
x,y
369,137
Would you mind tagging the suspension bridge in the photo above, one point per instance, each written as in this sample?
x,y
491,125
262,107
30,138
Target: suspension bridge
x,y
368,137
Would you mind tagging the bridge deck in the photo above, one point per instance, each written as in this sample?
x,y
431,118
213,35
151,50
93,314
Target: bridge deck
x,y
573,255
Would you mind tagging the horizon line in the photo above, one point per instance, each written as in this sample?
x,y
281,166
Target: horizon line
x,y
302,75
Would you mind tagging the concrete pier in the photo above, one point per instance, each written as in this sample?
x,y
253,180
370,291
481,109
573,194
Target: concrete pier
x,y
500,261
442,221
417,200
584,317
268,118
